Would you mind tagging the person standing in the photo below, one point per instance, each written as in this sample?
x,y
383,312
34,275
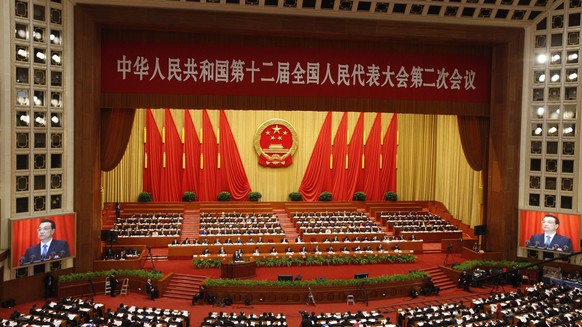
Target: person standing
x,y
117,211
113,283
49,285
151,289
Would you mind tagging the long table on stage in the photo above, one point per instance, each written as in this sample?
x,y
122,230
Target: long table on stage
x,y
430,237
187,251
246,269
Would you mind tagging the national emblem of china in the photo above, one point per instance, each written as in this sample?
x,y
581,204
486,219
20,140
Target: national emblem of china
x,y
275,143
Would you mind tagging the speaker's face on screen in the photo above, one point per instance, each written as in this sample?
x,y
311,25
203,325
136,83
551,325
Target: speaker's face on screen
x,y
45,231
549,225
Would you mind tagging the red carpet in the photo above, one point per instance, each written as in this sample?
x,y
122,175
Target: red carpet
x,y
387,306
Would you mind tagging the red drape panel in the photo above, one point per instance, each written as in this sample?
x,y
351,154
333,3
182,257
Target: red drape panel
x,y
531,223
153,160
474,132
232,170
355,150
171,177
210,182
388,179
340,150
191,156
316,178
368,181
25,235
116,126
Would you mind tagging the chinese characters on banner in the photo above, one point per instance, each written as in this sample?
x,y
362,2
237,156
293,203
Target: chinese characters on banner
x,y
135,67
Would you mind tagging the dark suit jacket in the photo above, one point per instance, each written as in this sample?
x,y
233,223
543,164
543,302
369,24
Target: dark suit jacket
x,y
558,240
58,248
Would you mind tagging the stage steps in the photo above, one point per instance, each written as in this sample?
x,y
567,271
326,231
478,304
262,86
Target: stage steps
x,y
184,286
190,225
439,278
286,224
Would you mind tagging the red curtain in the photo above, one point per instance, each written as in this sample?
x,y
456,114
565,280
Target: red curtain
x,y
354,168
388,174
234,178
340,151
531,223
474,132
153,160
171,177
316,177
191,156
25,235
116,126
370,177
210,182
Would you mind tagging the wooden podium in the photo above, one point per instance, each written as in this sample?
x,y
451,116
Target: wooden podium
x,y
246,269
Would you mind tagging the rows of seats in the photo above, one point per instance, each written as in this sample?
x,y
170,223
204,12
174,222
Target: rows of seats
x,y
416,222
244,320
65,312
126,315
339,319
334,223
205,241
149,225
240,224
544,304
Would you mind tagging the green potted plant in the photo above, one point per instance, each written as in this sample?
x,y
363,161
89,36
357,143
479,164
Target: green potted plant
x,y
255,196
144,197
390,196
295,196
224,196
189,197
359,196
325,196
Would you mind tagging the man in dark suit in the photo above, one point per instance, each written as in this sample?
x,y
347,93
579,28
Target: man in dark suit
x,y
151,290
48,248
113,283
550,239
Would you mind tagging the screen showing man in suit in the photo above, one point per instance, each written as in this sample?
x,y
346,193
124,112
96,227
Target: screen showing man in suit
x,y
48,248
550,239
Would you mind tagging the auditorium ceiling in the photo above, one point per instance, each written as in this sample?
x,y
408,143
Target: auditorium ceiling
x,y
515,13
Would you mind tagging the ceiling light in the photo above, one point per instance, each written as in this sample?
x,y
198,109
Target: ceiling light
x,y
25,118
56,58
552,130
40,120
568,130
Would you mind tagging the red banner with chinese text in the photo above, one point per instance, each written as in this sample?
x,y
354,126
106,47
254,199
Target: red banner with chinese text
x,y
204,69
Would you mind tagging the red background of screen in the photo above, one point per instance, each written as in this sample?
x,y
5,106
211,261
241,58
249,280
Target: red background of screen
x,y
24,234
531,223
